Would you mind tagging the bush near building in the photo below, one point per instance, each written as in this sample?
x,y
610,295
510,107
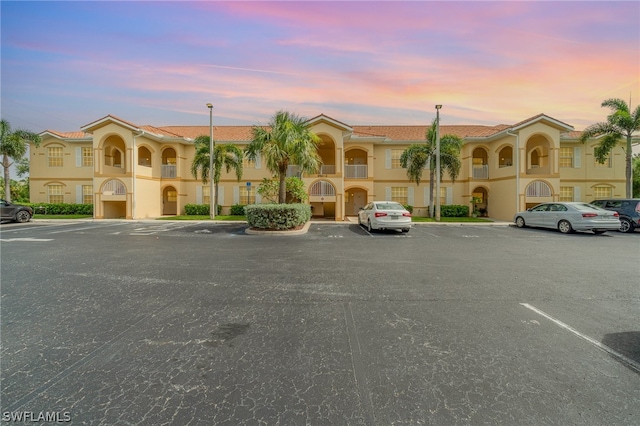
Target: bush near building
x,y
277,216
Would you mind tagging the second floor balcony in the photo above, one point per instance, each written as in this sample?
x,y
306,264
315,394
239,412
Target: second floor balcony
x,y
356,171
481,171
169,171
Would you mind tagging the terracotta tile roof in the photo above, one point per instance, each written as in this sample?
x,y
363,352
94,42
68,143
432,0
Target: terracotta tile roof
x,y
412,133
220,133
69,135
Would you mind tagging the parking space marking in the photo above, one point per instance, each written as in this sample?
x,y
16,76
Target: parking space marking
x,y
624,359
8,240
85,228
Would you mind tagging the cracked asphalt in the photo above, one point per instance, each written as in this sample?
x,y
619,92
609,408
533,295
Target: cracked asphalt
x,y
182,323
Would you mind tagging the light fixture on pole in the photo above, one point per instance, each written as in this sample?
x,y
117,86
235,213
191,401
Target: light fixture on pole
x,y
438,162
212,195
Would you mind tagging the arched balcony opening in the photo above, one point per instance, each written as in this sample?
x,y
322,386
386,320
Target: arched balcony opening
x,y
505,157
538,159
144,156
480,164
327,153
114,158
355,164
169,164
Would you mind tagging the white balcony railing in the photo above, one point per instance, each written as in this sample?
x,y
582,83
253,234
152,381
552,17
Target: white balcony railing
x,y
169,171
355,171
327,169
481,171
293,171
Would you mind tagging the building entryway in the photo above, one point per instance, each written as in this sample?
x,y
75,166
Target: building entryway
x,y
355,199
169,201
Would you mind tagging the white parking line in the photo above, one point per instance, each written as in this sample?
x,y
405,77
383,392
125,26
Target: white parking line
x,y
624,359
82,229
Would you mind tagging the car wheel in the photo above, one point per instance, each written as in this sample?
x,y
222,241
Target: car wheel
x,y
23,216
369,228
405,230
625,225
565,227
598,232
520,222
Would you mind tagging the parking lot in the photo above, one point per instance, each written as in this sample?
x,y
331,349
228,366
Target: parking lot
x,y
122,322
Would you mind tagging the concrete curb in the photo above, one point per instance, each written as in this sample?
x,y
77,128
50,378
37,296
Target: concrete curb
x,y
304,230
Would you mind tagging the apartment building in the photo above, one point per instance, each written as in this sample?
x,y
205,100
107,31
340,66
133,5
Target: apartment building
x,y
130,171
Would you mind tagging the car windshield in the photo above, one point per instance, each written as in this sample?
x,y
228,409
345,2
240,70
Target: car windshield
x,y
389,206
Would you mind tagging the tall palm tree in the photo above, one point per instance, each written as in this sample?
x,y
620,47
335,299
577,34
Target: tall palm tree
x,y
417,156
286,141
620,124
13,145
228,156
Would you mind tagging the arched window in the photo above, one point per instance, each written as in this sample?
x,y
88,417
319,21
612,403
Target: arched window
x,y
144,156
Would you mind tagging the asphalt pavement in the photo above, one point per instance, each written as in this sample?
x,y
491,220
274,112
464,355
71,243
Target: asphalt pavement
x,y
151,323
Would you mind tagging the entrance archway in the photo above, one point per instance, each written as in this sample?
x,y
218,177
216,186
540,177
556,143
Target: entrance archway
x,y
169,201
355,198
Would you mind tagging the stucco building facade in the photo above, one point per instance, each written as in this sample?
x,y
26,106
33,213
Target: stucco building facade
x,y
130,171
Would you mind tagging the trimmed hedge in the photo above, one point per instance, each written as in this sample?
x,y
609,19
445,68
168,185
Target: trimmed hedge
x,y
277,216
454,210
199,209
61,208
237,210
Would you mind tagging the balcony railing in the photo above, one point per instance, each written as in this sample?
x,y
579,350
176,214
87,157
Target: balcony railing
x,y
355,171
327,169
293,171
169,171
481,171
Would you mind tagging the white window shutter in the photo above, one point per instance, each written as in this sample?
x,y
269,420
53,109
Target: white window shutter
x,y
199,194
449,197
576,193
387,193
236,195
79,194
410,197
387,159
258,198
220,195
577,157
258,162
78,156
426,196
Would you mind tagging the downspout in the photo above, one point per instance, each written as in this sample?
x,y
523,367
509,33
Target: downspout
x,y
133,175
517,169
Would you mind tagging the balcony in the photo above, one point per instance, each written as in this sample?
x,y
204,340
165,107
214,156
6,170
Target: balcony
x,y
481,171
355,171
169,171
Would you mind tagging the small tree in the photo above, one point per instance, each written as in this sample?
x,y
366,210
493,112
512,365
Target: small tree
x,y
286,141
295,188
620,125
13,146
228,156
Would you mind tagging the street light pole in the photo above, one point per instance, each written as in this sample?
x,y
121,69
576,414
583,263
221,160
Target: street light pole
x,y
212,145
438,162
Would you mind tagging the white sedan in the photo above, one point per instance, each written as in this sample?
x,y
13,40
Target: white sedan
x,y
385,215
568,217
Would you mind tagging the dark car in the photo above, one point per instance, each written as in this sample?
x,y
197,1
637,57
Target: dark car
x,y
15,212
627,208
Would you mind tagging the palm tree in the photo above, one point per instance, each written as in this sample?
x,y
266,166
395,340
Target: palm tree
x,y
13,145
620,124
286,141
417,156
227,155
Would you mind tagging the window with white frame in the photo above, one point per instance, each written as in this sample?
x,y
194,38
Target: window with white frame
x,y
247,163
395,158
55,194
87,194
400,194
247,196
54,154
87,157
206,195
607,162
566,193
602,191
566,156
443,195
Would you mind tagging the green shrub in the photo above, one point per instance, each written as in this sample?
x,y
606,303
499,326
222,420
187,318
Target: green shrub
x,y
408,207
454,210
61,208
277,216
199,209
237,210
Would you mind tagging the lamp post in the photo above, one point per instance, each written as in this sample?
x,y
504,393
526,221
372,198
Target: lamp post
x,y
438,162
212,145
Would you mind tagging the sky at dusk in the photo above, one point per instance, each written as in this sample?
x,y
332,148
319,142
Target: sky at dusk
x,y
66,64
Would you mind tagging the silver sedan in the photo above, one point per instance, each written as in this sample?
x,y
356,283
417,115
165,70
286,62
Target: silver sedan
x,y
385,215
569,217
